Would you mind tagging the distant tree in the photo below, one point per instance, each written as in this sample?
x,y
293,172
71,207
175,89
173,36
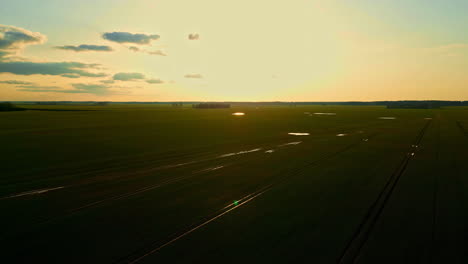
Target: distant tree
x,y
7,106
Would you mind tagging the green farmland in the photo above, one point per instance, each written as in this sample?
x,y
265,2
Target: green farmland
x,y
161,184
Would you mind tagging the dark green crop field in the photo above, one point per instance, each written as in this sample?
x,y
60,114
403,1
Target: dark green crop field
x,y
160,184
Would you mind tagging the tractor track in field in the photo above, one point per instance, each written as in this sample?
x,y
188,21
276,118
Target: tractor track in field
x,y
462,128
118,168
131,193
116,197
142,253
359,238
141,172
435,195
113,167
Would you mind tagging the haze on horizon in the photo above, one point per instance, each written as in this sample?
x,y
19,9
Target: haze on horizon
x,y
298,50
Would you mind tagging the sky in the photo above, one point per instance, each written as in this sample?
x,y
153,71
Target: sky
x,y
243,50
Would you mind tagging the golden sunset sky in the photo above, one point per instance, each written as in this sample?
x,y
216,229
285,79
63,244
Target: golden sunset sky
x,y
243,50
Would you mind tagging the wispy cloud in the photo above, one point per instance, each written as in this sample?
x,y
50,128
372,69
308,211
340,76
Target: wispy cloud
x,y
92,88
16,82
72,76
193,76
14,39
127,37
4,54
157,52
96,89
65,69
38,88
154,81
128,76
85,47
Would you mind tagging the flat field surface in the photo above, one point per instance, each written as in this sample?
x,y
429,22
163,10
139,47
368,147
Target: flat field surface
x,y
158,184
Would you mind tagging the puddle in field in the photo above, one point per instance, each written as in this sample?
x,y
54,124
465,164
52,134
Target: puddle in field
x,y
298,134
269,151
33,192
341,135
290,143
324,113
238,114
239,153
365,139
387,117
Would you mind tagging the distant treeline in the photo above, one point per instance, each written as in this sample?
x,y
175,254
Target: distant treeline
x,y
211,105
48,103
67,102
413,105
357,103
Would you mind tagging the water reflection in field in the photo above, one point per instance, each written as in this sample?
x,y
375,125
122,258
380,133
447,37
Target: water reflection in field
x,y
324,113
298,134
